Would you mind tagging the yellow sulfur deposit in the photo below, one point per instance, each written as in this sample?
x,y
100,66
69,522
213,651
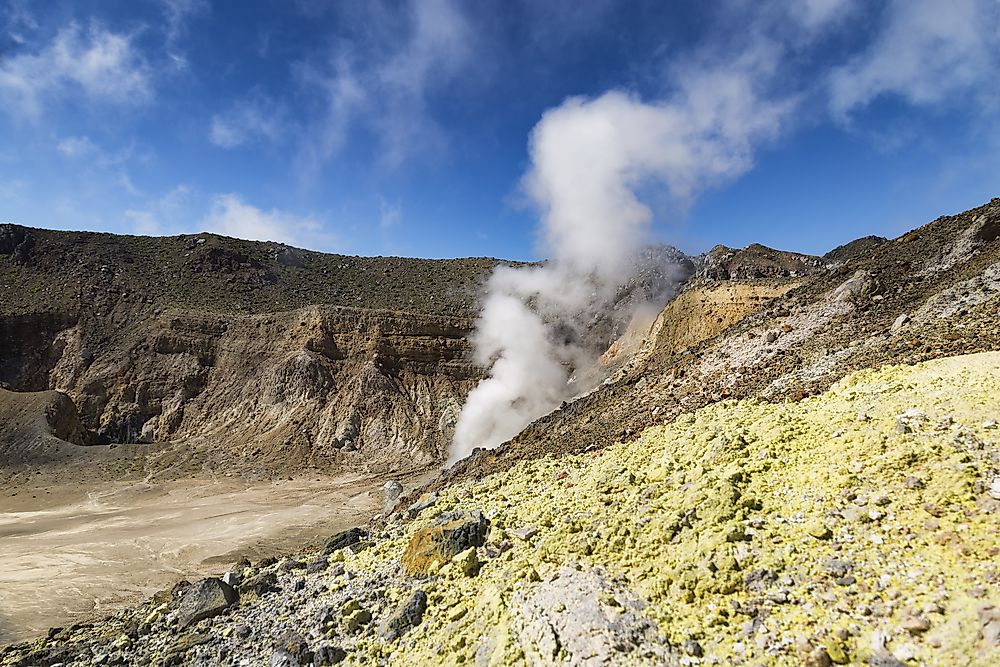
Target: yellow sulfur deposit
x,y
854,524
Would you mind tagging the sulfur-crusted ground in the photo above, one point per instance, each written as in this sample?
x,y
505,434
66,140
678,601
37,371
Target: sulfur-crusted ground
x,y
860,526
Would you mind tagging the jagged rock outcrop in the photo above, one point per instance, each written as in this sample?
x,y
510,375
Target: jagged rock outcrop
x,y
754,262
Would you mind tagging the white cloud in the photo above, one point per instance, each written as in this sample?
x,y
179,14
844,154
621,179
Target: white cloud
x,y
231,216
179,12
18,21
161,216
926,52
76,147
816,14
255,118
384,83
389,214
96,64
343,98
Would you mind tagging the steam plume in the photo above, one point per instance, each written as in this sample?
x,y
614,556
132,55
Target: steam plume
x,y
590,159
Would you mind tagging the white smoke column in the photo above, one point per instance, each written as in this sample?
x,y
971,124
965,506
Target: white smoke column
x,y
589,159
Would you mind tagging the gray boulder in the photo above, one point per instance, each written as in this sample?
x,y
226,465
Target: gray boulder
x,y
584,618
282,658
209,597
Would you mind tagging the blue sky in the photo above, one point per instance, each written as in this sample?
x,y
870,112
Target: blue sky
x,y
403,127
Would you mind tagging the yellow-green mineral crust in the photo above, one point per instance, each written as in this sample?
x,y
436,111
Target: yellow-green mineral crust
x,y
854,524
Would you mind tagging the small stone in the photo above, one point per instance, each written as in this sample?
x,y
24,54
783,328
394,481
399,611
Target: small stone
x,y
458,532
693,648
899,323
467,562
916,624
913,483
327,655
995,488
863,417
819,530
849,580
818,657
759,580
933,510
291,564
989,621
525,533
282,658
778,597
392,491
837,567
853,514
771,337
353,621
836,651
317,565
344,539
416,508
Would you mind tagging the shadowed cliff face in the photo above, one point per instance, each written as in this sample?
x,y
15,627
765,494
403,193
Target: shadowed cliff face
x,y
315,386
216,342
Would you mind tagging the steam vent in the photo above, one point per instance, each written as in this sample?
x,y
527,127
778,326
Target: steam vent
x,y
509,333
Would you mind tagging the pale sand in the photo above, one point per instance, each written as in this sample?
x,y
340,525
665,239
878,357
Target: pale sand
x,y
87,555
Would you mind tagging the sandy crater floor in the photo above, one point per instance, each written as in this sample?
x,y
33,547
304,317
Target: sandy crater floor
x,y
88,554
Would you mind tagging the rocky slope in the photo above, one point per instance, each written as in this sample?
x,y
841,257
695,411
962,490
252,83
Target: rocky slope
x,y
929,293
855,526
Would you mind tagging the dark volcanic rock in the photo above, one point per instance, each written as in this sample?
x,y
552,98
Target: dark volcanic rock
x,y
407,614
209,597
344,539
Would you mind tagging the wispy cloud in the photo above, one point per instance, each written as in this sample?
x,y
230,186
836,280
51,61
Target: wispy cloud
x,y
76,147
926,52
178,13
162,215
95,64
230,215
389,214
383,81
18,21
254,118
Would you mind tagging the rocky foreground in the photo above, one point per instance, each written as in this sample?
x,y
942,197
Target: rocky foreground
x,y
858,526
